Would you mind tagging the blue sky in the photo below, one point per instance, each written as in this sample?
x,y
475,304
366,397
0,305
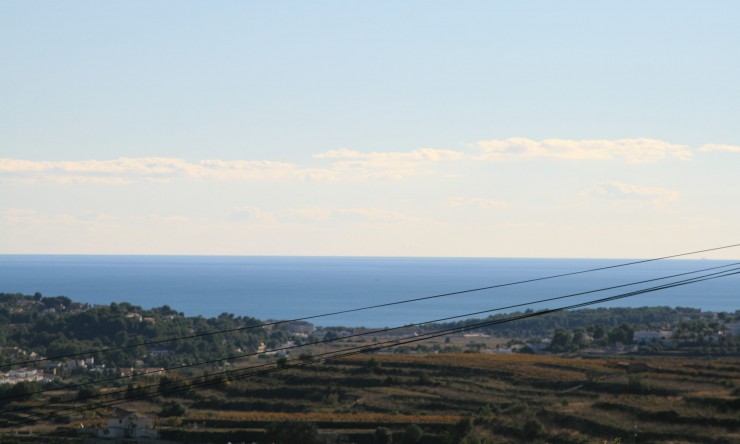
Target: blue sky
x,y
518,129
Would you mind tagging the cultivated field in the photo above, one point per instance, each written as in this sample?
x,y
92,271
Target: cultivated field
x,y
469,396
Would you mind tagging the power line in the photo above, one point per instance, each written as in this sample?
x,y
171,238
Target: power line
x,y
372,332
354,310
363,349
374,347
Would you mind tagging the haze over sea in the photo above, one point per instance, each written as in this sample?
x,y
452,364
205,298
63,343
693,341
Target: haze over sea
x,y
296,287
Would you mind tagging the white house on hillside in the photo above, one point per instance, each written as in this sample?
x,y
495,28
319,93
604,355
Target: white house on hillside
x,y
125,424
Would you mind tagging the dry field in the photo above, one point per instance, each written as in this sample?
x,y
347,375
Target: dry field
x,y
506,398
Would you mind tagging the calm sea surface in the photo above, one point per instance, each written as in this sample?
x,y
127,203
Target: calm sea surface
x,y
295,287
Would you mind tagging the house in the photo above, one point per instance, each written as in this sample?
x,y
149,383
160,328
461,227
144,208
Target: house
x,y
21,375
733,328
648,336
52,368
147,371
159,352
126,424
135,316
73,364
541,345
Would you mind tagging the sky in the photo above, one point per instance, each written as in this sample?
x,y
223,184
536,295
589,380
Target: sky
x,y
416,128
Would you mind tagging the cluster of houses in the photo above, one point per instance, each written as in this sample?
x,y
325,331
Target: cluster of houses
x,y
22,375
666,337
669,337
57,369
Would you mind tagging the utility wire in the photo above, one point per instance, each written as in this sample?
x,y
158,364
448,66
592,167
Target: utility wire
x,y
372,332
374,347
358,350
354,310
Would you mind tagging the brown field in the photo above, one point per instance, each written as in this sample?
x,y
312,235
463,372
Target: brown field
x,y
508,398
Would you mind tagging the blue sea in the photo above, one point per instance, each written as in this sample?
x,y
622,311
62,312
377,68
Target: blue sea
x,y
297,287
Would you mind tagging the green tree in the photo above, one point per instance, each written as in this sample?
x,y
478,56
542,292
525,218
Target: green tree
x,y
580,339
383,435
623,333
173,408
21,391
412,434
291,432
532,428
561,340
460,430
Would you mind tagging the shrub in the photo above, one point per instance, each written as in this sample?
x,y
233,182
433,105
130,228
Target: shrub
x,y
173,408
290,432
383,436
532,429
412,434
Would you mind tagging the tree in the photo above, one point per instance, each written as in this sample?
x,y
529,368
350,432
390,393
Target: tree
x,y
290,432
460,430
173,408
532,429
21,391
580,339
383,435
623,333
598,331
561,340
130,391
412,434
87,393
171,384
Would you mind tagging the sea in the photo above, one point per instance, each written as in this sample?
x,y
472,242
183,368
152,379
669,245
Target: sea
x,y
313,287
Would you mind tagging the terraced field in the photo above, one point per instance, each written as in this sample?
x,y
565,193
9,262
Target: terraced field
x,y
473,397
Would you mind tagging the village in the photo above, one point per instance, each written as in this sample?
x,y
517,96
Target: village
x,y
674,338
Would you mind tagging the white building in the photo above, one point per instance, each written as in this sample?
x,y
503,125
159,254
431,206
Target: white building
x,y
733,328
21,375
125,424
647,336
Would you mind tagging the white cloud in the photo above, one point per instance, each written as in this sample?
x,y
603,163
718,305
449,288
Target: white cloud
x,y
639,150
168,218
478,202
617,191
382,215
391,157
18,216
127,170
346,164
319,214
712,147
28,217
253,214
391,164
309,213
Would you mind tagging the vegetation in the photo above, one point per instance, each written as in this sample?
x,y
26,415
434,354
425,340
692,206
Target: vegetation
x,y
464,397
429,395
57,326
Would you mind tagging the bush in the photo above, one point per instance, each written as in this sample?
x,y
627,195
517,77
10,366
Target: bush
x,y
412,434
460,430
290,432
87,393
532,429
383,436
173,408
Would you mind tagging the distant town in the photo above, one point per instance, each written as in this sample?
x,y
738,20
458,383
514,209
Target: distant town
x,y
29,319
